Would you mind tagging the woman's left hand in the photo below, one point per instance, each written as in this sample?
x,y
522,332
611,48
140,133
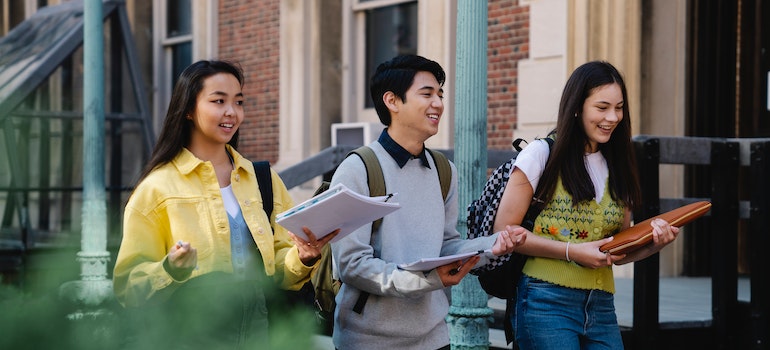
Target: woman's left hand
x,y
310,249
509,239
663,233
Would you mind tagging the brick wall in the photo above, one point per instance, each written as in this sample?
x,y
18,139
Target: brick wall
x,y
508,42
249,34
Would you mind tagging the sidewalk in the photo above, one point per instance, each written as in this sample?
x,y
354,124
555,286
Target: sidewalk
x,y
682,299
496,336
496,340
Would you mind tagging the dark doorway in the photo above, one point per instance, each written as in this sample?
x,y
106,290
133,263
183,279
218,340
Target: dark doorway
x,y
727,96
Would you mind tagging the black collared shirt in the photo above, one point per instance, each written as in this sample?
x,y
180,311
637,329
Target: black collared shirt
x,y
399,154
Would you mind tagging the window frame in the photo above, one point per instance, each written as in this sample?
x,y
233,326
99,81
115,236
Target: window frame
x,y
28,8
163,59
354,52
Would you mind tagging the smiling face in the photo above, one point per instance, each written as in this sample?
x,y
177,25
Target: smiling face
x,y
417,118
602,112
218,111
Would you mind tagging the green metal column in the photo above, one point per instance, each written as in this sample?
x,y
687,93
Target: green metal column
x,y
93,288
469,316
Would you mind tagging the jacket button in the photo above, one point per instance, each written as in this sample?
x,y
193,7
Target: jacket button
x,y
247,202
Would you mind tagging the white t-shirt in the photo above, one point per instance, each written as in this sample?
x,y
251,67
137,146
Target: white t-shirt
x,y
531,160
231,203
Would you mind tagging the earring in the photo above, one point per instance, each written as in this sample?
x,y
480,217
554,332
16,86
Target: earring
x,y
575,114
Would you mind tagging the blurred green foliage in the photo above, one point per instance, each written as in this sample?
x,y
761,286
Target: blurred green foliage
x,y
33,316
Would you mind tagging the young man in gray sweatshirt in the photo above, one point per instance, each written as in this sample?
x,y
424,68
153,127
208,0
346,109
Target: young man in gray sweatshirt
x,y
404,309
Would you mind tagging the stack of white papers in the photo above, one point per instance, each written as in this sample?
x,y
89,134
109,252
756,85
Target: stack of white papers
x,y
427,264
337,207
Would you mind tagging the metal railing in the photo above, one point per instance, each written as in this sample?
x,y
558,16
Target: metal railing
x,y
723,161
726,162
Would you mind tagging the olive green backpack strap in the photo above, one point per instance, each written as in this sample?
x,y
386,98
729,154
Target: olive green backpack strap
x,y
376,182
444,171
374,176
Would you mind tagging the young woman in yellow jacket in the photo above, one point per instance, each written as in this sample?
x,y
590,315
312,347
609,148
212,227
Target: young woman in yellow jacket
x,y
197,243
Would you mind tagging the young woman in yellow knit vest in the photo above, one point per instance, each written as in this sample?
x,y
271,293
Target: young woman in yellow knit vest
x,y
589,187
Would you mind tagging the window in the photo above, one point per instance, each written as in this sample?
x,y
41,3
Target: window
x,y
173,50
12,12
178,39
186,31
377,31
390,31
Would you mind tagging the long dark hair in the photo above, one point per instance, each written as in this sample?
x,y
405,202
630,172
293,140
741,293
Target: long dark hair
x,y
566,158
177,128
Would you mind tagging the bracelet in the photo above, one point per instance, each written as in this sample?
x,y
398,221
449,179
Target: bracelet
x,y
567,252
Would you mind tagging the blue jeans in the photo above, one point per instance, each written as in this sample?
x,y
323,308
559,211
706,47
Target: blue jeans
x,y
549,316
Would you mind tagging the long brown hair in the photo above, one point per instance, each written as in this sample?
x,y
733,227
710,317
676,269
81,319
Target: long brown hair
x,y
177,128
566,158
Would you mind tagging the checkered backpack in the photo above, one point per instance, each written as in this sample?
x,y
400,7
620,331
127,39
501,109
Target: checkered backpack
x,y
481,218
500,277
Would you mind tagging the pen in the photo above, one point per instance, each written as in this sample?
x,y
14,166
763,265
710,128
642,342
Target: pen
x,y
179,244
456,270
390,195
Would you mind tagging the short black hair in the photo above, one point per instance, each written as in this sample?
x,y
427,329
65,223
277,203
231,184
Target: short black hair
x,y
397,75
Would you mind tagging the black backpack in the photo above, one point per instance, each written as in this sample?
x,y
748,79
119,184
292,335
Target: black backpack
x,y
280,301
323,285
500,277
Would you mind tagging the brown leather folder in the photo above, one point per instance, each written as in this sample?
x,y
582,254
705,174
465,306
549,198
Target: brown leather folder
x,y
640,234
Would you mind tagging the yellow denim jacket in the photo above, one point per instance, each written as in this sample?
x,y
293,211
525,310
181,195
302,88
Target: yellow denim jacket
x,y
181,200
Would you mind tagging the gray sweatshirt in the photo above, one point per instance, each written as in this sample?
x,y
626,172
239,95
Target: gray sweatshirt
x,y
406,310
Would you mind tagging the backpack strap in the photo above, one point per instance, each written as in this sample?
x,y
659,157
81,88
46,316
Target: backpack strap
x,y
537,205
550,139
444,171
517,144
374,176
265,183
376,182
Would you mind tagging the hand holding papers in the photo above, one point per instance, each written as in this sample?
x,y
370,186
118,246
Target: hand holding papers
x,y
428,264
337,207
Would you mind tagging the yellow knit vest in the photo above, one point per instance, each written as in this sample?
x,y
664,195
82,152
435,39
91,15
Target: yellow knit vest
x,y
588,221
